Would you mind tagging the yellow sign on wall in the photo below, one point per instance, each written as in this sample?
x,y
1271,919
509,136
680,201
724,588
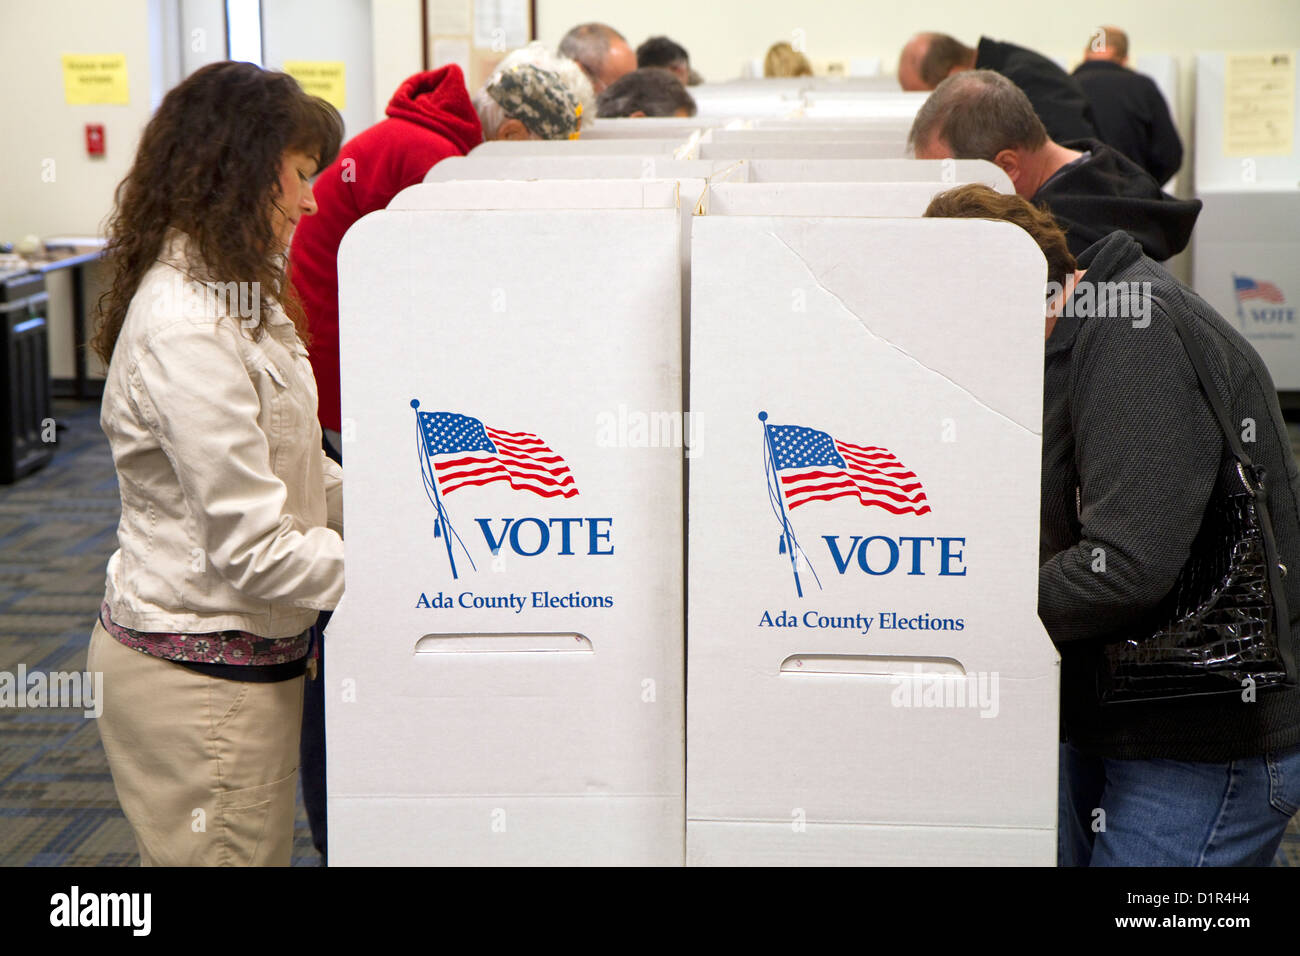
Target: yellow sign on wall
x,y
95,78
323,78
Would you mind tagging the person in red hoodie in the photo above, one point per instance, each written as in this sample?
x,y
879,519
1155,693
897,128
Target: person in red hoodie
x,y
430,117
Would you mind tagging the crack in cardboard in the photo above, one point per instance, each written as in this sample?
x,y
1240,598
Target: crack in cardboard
x,y
898,348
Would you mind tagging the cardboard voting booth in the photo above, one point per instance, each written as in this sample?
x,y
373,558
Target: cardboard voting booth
x,y
869,681
952,171
879,200
505,682
583,167
1247,237
1247,251
631,146
806,148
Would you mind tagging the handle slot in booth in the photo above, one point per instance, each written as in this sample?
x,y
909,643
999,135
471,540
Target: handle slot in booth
x,y
535,643
871,665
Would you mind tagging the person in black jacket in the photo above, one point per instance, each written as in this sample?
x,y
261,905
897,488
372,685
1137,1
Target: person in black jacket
x,y
1131,113
930,58
1090,188
1131,455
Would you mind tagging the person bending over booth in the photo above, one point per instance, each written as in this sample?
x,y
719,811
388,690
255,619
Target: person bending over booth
x,y
1090,188
1136,461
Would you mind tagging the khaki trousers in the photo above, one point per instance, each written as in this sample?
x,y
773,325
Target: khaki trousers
x,y
205,768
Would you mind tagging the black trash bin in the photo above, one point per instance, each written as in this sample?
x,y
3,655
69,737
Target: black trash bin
x,y
26,416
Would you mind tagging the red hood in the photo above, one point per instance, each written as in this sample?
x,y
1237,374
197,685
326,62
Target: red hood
x,y
438,100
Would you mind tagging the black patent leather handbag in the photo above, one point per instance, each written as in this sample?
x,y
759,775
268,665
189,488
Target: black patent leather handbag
x,y
1224,628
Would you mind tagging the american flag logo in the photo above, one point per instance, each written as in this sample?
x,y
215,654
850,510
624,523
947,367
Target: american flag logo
x,y
804,465
813,466
472,453
458,451
1247,288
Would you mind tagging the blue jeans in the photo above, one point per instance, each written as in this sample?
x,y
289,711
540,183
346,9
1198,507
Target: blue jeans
x,y
1175,812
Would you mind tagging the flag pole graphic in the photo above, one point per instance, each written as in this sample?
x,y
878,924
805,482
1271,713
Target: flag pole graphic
x,y
774,483
431,489
1236,294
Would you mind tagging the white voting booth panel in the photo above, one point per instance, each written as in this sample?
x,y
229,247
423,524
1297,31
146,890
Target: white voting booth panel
x,y
1247,265
953,171
1215,168
584,167
806,148
511,661
809,134
1247,238
898,704
583,147
879,200
641,127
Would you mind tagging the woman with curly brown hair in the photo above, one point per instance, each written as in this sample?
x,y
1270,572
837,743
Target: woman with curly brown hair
x,y
229,541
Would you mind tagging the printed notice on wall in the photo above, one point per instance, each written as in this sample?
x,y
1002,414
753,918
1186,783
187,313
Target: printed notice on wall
x,y
95,78
1259,104
324,78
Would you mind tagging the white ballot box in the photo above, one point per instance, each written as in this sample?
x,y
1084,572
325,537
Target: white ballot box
x,y
505,671
879,200
869,679
951,171
584,167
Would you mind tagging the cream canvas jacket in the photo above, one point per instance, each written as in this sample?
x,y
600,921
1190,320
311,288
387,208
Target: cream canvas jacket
x,y
231,513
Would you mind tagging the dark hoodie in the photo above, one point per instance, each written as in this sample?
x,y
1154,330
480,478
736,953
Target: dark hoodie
x,y
1131,452
1108,191
430,117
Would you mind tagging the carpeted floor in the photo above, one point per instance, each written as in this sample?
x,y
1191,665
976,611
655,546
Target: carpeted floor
x,y
57,530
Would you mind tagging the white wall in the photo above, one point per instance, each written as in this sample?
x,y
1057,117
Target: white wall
x,y
41,126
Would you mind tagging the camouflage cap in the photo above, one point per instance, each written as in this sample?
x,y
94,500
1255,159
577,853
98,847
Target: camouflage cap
x,y
537,98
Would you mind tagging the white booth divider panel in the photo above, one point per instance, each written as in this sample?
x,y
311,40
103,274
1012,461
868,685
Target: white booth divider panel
x,y
1215,169
846,706
552,194
806,148
544,725
584,167
879,200
581,147
1246,266
952,171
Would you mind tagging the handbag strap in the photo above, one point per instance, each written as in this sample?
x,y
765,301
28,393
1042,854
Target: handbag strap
x,y
1197,357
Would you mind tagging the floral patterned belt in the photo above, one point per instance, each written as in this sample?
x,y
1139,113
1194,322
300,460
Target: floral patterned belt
x,y
218,647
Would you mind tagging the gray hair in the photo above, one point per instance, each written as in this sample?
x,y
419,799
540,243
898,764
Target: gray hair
x,y
649,90
588,45
491,114
977,113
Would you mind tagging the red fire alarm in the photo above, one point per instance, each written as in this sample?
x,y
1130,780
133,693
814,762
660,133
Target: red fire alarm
x,y
94,139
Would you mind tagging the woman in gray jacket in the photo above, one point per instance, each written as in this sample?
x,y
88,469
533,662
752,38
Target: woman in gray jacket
x,y
1131,454
229,541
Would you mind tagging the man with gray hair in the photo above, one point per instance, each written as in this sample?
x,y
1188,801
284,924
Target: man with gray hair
x,y
930,58
1090,188
523,100
601,51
